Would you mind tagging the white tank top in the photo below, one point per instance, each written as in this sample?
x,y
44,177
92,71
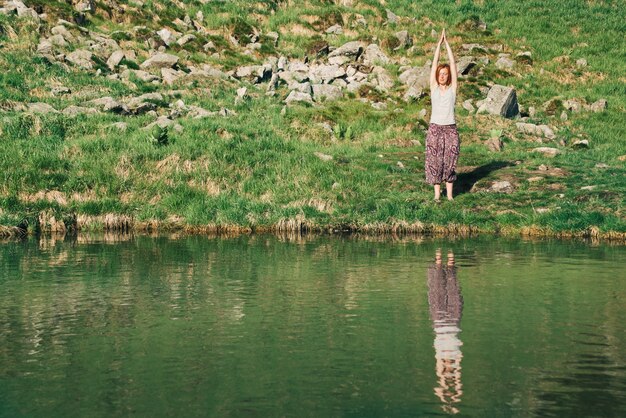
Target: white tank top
x,y
443,106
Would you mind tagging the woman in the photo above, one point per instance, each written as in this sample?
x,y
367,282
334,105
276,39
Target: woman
x,y
442,140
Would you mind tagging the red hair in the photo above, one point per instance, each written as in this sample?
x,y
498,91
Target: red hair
x,y
441,67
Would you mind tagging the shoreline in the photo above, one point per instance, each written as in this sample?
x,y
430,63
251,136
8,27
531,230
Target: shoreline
x,y
123,224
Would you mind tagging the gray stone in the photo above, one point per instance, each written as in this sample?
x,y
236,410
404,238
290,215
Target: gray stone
x,y
209,46
373,55
417,76
169,75
45,47
84,6
323,157
404,39
467,105
413,93
185,39
351,49
41,108
465,64
160,60
599,106
495,144
573,105
547,151
334,30
501,187
505,63
588,188
601,165
296,96
580,143
58,41
581,62
121,126
502,101
59,90
326,73
564,116
81,58
167,36
108,104
78,110
392,17
326,92
115,59
472,47
384,81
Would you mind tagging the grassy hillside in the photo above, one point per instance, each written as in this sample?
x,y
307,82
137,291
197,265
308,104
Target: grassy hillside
x,y
251,162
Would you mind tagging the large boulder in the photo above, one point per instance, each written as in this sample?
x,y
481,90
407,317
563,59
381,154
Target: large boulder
x,y
418,77
296,96
326,73
501,100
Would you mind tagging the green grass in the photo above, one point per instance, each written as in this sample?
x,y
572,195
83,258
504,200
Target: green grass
x,y
259,166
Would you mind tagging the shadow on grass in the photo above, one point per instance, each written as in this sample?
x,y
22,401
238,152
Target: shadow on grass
x,y
465,181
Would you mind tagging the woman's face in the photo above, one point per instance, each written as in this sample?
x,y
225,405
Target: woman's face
x,y
443,76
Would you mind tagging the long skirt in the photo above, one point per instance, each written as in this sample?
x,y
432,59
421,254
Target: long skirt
x,y
442,153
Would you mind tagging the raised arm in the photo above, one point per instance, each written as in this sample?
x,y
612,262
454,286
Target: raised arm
x,y
433,68
453,71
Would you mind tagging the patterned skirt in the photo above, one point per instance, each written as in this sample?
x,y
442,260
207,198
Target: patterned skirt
x,y
442,153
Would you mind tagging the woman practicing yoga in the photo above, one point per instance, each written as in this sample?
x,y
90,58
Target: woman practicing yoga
x,y
442,140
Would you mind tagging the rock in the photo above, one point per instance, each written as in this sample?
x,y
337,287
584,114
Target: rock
x,y
505,63
417,76
413,93
167,36
374,55
416,143
573,105
60,90
45,47
121,126
78,110
384,81
601,165
534,179
622,157
160,60
351,49
326,73
334,30
209,46
323,157
547,151
501,187
115,59
501,101
474,47
581,62
185,39
404,40
169,75
58,41
144,103
524,58
599,106
422,114
465,64
580,143
84,6
467,105
543,167
552,106
564,116
296,96
400,165
588,188
108,104
326,92
41,108
532,112
81,58
392,18
274,36
379,106
494,144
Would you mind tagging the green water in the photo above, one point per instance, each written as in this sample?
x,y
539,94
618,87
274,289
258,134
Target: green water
x,y
265,326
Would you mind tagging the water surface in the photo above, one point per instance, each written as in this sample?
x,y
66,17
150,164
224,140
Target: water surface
x,y
318,326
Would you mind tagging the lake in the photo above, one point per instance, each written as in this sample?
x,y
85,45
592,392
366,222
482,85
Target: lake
x,y
265,326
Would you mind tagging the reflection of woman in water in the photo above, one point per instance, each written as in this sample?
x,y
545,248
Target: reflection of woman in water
x,y
446,306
